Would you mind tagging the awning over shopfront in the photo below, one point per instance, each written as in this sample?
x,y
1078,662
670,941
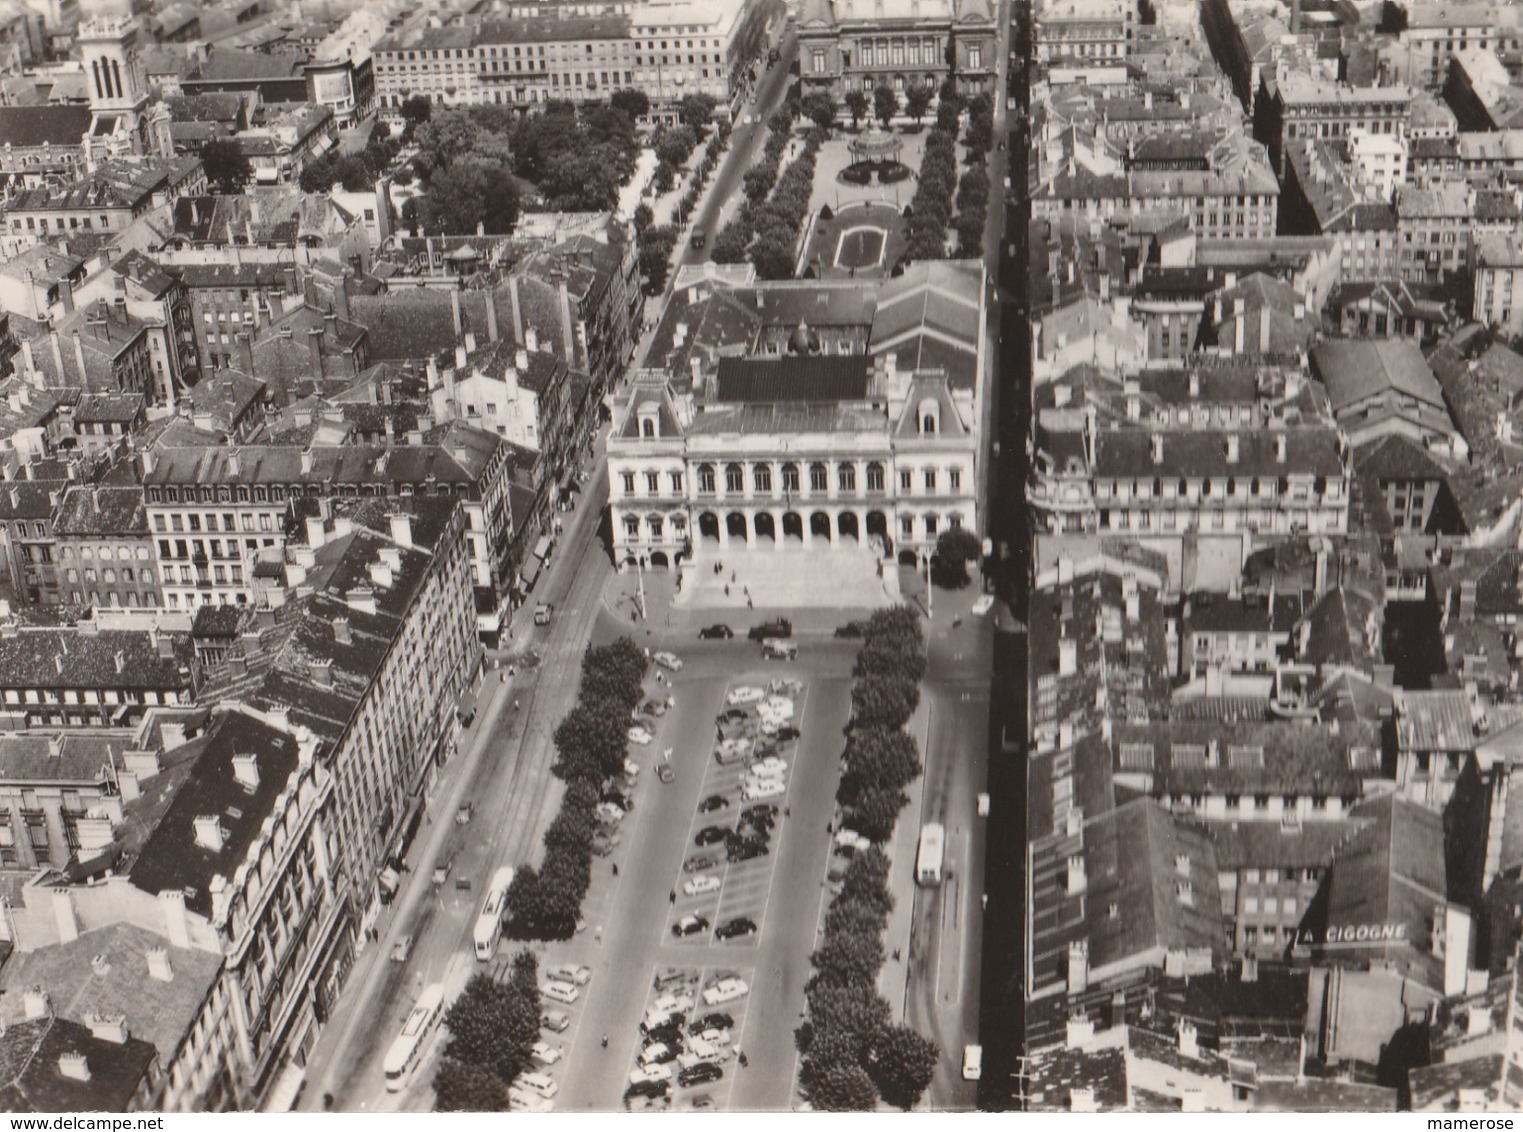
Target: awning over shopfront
x,y
543,547
530,573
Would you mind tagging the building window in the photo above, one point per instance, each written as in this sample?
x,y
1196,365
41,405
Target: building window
x,y
930,479
906,479
706,479
818,477
930,525
874,477
653,482
790,477
629,483
954,478
631,527
676,483
818,60
907,526
761,476
734,479
846,477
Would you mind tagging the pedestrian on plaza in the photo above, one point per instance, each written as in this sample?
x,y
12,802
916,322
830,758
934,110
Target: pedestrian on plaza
x,y
515,706
787,811
727,589
672,898
605,1041
512,671
749,603
896,955
616,869
732,575
502,677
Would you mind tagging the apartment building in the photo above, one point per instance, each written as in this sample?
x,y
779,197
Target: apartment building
x,y
105,548
847,45
1434,31
1499,282
1085,30
218,512
1300,106
83,675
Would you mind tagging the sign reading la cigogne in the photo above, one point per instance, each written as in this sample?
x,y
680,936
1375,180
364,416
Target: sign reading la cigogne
x,y
1352,933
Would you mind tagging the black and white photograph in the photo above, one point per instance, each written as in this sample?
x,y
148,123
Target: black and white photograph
x,y
758,557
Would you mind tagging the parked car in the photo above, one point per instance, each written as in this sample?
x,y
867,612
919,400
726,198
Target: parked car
x,y
604,843
746,850
984,603
560,992
698,862
545,1053
779,627
631,769
657,1053
573,973
700,886
701,1074
639,735
710,835
734,929
464,813
608,813
712,1021
725,990
764,788
668,1034
401,949
653,708
556,1021
786,734
776,649
745,694
646,1087
716,633
665,773
668,660
852,630
699,238
618,798
769,767
690,925
972,1062
758,811
651,1073
713,802
442,869
543,612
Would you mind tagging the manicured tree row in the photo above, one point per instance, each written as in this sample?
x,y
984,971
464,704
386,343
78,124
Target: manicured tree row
x,y
655,243
852,1055
493,1027
731,243
590,745
931,207
780,221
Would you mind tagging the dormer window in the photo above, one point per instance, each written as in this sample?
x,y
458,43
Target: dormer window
x,y
929,414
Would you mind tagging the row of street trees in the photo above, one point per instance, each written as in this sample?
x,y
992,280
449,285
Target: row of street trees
x,y
656,242
493,1027
731,244
353,172
590,747
780,220
852,1054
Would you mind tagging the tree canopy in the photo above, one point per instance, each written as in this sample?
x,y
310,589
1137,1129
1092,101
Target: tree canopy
x,y
228,170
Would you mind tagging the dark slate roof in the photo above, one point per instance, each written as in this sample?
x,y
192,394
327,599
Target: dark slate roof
x,y
172,859
835,378
26,126
32,1081
27,660
102,510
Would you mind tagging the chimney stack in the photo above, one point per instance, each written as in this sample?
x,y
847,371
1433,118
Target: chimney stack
x,y
209,833
246,771
158,965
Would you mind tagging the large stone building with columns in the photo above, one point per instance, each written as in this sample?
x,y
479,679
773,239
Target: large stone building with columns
x,y
798,452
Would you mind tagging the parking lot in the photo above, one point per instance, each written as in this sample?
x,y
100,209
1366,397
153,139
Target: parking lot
x,y
628,940
667,1051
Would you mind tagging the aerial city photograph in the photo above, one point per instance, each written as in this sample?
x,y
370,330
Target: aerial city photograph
x,y
761,556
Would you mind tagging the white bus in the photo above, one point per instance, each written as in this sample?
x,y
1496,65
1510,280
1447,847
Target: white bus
x,y
408,1047
932,845
489,923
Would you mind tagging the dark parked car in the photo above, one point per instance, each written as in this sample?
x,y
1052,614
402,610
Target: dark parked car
x,y
734,929
675,1019
746,849
713,802
716,633
786,734
624,801
700,1074
771,630
667,1034
690,925
713,1021
760,810
759,826
852,630
646,1089
710,835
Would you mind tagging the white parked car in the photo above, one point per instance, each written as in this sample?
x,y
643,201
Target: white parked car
x,y
521,1100
560,992
609,813
631,768
545,1053
573,973
972,1062
984,603
700,885
745,694
725,990
760,789
654,1054
780,707
770,767
539,1083
639,736
669,660
650,1073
